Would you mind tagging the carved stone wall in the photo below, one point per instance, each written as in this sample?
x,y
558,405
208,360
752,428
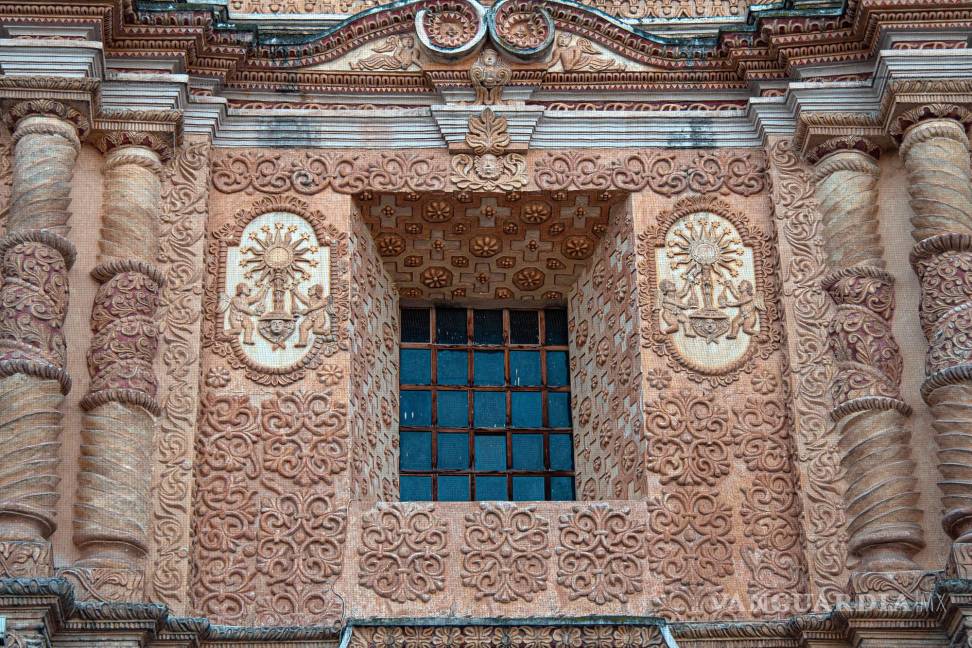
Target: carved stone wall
x,y
373,402
272,453
724,513
606,368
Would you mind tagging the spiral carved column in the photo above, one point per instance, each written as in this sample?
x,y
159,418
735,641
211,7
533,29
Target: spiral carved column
x,y
35,258
111,513
935,149
884,519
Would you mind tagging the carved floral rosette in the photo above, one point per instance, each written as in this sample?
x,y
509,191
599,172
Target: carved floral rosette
x,y
746,314
521,27
227,344
451,29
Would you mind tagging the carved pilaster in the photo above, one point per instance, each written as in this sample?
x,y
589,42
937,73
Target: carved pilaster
x,y
111,515
935,149
884,520
35,258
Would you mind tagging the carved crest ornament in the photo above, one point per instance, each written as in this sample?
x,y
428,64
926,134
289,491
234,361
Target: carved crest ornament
x,y
489,169
708,271
271,300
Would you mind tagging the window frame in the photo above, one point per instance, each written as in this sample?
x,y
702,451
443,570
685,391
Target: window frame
x,y
507,431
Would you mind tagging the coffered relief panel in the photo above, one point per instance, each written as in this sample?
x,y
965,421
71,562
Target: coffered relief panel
x,y
527,247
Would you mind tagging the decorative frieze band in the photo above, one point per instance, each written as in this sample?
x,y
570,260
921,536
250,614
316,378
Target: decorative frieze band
x,y
665,173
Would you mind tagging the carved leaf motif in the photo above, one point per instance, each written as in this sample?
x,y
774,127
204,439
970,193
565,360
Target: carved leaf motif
x,y
488,133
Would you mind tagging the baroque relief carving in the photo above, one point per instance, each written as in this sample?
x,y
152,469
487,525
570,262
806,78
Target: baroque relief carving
x,y
708,290
185,184
812,366
490,169
570,636
402,553
488,75
505,552
274,300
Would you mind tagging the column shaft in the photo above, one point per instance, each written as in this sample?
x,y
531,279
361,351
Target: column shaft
x,y
936,155
34,261
111,514
884,520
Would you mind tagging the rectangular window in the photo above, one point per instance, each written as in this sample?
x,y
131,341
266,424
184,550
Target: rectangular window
x,y
485,405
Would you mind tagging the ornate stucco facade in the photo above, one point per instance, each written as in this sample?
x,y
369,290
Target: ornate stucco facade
x,y
757,219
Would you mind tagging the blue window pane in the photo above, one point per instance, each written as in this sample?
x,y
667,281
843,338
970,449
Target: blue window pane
x,y
416,489
488,368
524,327
416,451
527,489
453,451
453,409
558,373
561,489
416,366
561,452
491,488
416,408
452,367
527,409
558,409
488,327
489,409
527,452
490,453
524,368
555,322
454,489
450,325
415,325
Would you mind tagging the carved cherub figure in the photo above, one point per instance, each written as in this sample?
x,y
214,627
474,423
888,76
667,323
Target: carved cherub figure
x,y
488,75
673,306
749,304
240,311
317,316
396,53
580,55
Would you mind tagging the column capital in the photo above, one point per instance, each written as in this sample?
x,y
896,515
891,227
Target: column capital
x,y
71,99
156,130
821,133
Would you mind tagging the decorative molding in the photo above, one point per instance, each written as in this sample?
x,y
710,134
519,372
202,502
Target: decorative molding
x,y
183,209
667,174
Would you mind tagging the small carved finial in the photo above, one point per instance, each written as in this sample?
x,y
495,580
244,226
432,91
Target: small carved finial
x,y
488,75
